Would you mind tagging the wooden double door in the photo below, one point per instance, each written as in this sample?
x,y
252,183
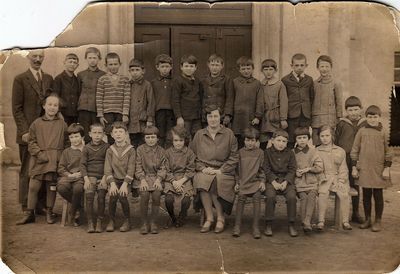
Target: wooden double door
x,y
230,42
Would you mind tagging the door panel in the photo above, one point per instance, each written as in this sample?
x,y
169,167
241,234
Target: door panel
x,y
199,41
151,41
232,43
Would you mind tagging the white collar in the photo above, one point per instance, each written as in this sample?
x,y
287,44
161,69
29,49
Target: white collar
x,y
34,72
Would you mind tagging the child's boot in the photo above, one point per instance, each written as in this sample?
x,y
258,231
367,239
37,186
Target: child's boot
x,y
110,226
256,218
377,226
292,230
143,212
367,223
125,226
238,218
268,229
154,215
99,225
49,216
29,217
90,228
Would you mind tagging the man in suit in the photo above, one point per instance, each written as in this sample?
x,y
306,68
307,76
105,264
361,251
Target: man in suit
x,y
29,90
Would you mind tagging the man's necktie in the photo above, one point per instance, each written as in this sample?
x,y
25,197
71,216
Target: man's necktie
x,y
39,80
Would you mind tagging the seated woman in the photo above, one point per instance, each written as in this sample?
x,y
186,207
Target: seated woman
x,y
217,156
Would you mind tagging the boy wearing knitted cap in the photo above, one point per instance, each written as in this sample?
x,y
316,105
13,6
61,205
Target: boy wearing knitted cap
x,y
272,102
142,108
309,166
280,170
67,86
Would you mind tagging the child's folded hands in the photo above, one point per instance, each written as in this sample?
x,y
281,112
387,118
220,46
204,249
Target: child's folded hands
x,y
123,190
113,189
157,184
144,186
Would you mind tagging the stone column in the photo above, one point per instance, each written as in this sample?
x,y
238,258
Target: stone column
x,y
267,34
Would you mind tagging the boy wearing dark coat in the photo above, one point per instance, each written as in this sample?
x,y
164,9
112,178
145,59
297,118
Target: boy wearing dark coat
x,y
245,89
280,170
162,88
187,94
300,93
141,110
345,133
67,86
218,89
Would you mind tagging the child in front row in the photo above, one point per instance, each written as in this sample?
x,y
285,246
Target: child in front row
x,y
70,182
151,172
47,138
113,95
337,178
141,111
119,169
280,170
92,170
345,133
180,171
309,168
245,90
371,160
272,102
162,88
250,180
187,94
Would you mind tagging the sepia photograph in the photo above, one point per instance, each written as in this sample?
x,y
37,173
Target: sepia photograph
x,y
196,137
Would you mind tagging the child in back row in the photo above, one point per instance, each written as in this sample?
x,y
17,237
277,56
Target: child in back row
x,y
67,85
70,182
180,171
151,172
245,89
300,93
141,110
119,169
272,102
371,160
88,78
162,88
327,104
218,89
47,138
345,133
92,170
187,94
250,180
309,168
113,95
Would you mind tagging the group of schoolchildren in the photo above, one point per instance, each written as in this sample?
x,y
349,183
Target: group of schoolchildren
x,y
129,134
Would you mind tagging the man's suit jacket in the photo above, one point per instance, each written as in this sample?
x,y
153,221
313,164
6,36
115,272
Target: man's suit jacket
x,y
300,95
27,100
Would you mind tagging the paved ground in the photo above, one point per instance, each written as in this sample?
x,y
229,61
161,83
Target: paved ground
x,y
43,248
